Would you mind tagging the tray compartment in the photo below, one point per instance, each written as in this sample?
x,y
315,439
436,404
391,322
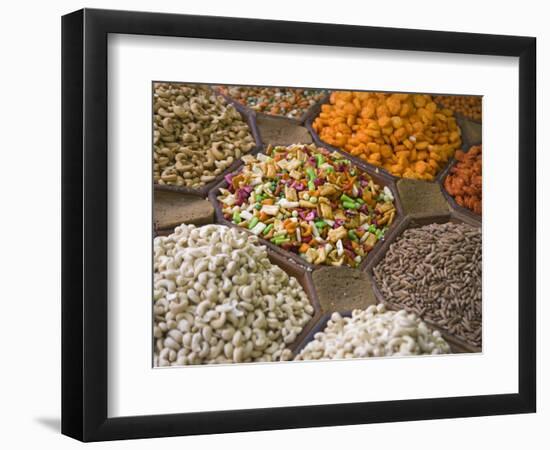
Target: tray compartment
x,y
471,138
377,176
450,199
456,345
414,222
203,190
297,120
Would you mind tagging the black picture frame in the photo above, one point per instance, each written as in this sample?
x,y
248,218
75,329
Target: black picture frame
x,y
84,224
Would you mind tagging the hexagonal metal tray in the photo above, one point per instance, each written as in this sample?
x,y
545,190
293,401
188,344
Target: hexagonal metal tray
x,y
302,275
298,120
414,222
378,177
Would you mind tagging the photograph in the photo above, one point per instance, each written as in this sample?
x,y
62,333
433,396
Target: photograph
x,y
314,223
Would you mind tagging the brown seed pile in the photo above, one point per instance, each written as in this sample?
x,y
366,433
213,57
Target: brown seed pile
x,y
435,271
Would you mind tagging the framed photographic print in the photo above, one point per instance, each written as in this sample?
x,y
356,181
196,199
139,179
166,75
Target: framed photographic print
x,y
274,224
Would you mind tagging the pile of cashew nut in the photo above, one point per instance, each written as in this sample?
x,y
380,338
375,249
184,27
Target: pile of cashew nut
x,y
374,332
219,299
196,135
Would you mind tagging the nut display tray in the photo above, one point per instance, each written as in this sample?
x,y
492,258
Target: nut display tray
x,y
203,190
456,346
311,111
413,222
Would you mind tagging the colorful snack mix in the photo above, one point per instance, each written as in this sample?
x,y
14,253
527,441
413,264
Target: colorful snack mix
x,y
467,105
406,134
311,202
464,181
287,102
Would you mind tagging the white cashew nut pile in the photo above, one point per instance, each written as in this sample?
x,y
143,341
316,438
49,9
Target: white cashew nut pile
x,y
374,332
196,135
218,299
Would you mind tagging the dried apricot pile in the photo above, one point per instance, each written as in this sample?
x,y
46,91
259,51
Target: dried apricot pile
x,y
464,179
467,105
406,134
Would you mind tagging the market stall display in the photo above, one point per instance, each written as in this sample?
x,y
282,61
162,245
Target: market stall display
x,y
367,245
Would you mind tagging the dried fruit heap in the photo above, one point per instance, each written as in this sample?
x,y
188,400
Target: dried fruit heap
x,y
311,202
464,181
408,135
